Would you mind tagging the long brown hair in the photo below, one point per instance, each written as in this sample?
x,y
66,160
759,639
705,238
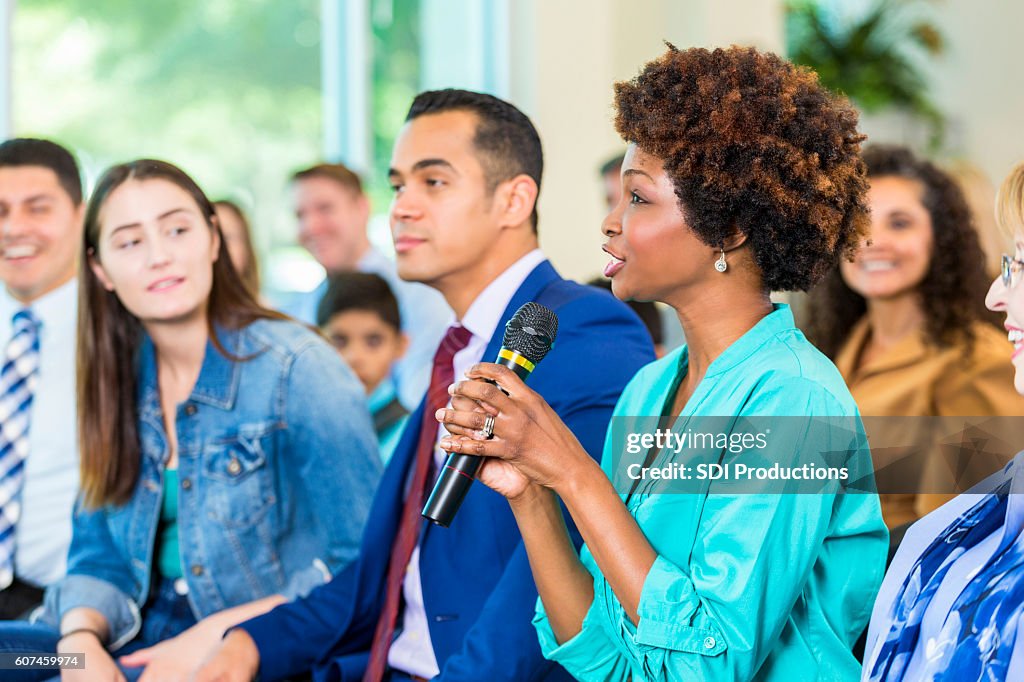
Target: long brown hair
x,y
109,338
250,274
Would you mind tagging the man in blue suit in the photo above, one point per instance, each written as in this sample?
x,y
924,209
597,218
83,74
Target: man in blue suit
x,y
466,171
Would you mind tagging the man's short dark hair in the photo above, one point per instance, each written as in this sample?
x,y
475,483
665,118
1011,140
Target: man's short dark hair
x,y
28,151
612,165
359,291
505,137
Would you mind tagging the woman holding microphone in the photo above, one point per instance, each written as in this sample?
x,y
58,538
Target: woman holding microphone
x,y
742,176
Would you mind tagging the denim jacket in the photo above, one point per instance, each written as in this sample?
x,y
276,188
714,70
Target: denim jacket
x,y
277,466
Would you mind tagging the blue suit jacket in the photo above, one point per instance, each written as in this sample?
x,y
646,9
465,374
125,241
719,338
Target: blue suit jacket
x,y
478,591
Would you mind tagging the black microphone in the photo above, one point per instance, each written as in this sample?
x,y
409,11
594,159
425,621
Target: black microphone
x,y
528,338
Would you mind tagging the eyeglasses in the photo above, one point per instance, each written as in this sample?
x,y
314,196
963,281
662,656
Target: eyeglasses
x,y
1010,268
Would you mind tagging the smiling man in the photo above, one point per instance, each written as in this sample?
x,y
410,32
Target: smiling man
x,y
455,604
40,234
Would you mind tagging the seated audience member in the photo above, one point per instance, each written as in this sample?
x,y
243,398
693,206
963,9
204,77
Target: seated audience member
x,y
454,604
237,232
359,314
611,184
645,310
333,213
228,461
952,602
904,321
40,225
709,582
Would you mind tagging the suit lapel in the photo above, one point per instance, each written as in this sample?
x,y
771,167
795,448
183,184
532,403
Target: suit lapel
x,y
538,279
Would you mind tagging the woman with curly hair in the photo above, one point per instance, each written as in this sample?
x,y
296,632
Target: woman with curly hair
x,y
905,320
742,176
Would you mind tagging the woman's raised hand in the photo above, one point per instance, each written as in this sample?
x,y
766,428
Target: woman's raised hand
x,y
530,444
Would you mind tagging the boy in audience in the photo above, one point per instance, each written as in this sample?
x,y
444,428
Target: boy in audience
x,y
359,314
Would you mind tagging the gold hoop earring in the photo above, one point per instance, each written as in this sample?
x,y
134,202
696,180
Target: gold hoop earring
x,y
720,264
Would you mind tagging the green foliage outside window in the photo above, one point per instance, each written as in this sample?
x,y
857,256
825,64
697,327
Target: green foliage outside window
x,y
396,80
228,90
875,59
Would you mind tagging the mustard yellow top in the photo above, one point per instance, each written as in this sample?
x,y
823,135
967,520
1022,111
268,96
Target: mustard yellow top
x,y
917,379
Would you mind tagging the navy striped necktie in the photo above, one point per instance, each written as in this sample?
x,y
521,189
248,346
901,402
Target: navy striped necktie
x,y
18,378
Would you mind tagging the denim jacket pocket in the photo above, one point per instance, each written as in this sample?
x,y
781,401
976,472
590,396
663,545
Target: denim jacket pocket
x,y
238,480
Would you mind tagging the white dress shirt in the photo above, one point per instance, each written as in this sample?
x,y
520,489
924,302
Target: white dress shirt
x,y
43,532
412,651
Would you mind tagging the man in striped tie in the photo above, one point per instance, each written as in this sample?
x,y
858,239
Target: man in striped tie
x,y
41,214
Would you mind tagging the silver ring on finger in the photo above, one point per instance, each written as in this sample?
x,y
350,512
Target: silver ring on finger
x,y
488,430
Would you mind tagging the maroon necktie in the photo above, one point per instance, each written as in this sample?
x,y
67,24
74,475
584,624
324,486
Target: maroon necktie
x,y
455,339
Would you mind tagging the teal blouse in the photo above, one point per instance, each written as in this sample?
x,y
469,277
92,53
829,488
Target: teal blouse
x,y
768,586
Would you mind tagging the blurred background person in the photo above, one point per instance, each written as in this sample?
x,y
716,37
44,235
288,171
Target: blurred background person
x,y
228,461
40,227
359,315
237,234
905,321
611,183
332,213
951,606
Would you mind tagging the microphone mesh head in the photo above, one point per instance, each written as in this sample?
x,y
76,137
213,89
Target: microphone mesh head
x,y
531,331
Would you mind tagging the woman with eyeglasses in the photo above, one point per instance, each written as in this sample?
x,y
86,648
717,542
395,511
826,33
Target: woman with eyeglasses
x,y
952,601
906,325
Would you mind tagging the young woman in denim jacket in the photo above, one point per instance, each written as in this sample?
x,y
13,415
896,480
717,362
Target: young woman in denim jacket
x,y
228,459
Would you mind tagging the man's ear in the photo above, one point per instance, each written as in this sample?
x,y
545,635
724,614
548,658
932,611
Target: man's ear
x,y
80,214
362,204
101,274
516,199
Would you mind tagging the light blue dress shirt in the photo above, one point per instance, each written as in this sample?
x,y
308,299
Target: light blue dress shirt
x,y
43,532
767,586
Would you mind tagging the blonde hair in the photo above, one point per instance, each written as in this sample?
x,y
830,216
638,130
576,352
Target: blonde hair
x,y
1010,202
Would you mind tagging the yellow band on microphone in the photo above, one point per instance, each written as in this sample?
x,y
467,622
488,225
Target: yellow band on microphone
x,y
506,354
